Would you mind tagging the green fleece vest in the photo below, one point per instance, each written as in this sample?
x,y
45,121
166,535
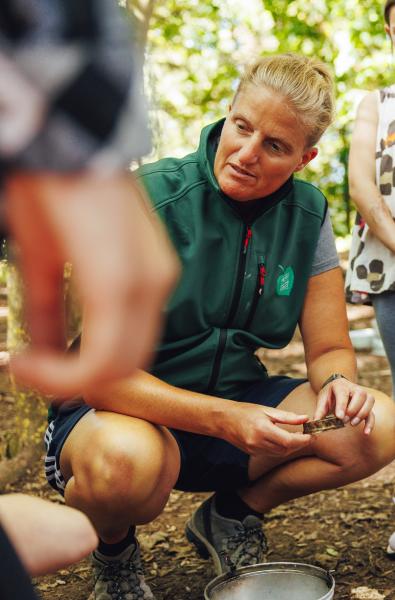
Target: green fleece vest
x,y
242,285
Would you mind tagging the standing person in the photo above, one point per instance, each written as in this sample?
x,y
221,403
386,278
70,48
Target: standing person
x,y
371,273
69,93
258,258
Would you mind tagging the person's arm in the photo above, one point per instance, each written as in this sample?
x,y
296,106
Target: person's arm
x,y
46,536
328,350
124,268
362,174
64,153
247,426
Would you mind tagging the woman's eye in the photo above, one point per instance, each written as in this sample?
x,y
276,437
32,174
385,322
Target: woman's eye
x,y
241,126
275,147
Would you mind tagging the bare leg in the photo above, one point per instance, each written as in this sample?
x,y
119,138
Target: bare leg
x,y
119,471
333,459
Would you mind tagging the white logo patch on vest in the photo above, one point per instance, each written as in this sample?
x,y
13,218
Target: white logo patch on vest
x,y
285,281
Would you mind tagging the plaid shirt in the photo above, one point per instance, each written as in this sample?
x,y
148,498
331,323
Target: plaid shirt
x,y
69,92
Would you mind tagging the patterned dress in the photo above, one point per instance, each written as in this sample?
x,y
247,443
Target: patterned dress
x,y
371,264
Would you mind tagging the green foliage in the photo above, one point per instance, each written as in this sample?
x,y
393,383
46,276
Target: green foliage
x,y
30,407
196,48
3,273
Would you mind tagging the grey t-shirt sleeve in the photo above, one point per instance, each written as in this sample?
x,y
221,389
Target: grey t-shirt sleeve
x,y
325,257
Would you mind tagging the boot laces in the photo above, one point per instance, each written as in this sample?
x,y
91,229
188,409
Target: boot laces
x,y
248,545
122,577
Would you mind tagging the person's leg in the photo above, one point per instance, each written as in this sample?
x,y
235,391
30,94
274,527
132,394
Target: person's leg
x,y
334,458
228,523
384,308
225,527
119,471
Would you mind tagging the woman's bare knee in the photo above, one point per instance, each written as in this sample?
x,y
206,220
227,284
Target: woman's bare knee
x,y
355,453
382,438
108,460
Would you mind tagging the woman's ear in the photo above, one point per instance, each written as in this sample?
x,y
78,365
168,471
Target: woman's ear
x,y
307,157
388,32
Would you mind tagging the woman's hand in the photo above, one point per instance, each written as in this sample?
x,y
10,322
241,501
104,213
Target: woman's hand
x,y
254,429
348,401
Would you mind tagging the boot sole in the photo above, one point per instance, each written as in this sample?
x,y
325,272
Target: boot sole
x,y
204,549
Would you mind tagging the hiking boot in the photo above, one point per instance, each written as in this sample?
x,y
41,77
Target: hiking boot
x,y
120,577
229,542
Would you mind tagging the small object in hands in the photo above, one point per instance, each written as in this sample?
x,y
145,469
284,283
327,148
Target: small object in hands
x,y
330,422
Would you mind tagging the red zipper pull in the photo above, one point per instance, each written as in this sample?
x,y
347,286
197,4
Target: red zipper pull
x,y
262,275
247,239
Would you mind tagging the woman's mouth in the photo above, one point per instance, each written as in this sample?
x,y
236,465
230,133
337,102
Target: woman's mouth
x,y
240,172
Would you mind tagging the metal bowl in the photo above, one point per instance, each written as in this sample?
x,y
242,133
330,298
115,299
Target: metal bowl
x,y
273,581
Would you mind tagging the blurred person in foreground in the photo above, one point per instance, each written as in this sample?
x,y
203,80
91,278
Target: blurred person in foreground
x,y
258,258
71,120
371,273
38,537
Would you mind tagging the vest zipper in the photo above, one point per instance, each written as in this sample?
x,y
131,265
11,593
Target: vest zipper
x,y
260,288
217,360
240,274
247,239
235,301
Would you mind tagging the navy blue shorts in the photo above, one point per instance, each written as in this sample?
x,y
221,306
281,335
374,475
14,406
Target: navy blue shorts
x,y
207,463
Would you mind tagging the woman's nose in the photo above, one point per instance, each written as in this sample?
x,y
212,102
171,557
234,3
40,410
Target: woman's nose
x,y
249,152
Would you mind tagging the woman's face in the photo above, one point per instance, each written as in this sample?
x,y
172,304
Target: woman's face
x,y
262,143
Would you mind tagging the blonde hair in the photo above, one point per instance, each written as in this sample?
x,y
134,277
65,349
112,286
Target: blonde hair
x,y
306,83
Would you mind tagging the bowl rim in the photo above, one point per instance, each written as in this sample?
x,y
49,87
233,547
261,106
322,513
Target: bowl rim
x,y
295,567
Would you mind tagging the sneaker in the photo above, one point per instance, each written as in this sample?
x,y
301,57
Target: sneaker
x,y
391,547
120,577
229,542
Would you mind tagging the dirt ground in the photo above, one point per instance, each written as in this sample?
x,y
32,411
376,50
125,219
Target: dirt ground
x,y
343,530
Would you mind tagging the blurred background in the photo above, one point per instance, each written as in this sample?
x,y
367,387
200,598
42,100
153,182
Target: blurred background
x,y
194,50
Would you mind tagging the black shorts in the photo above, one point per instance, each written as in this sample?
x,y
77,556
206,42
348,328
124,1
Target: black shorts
x,y
207,463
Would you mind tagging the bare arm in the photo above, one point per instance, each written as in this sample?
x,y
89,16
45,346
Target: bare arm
x,y
247,426
328,350
124,268
46,536
324,329
362,176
